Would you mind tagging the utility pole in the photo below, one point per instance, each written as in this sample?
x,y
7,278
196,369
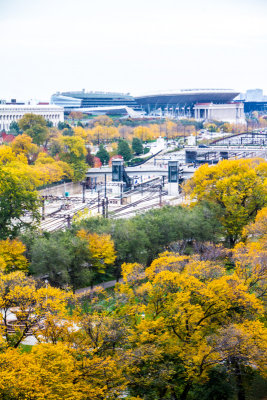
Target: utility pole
x,y
103,208
43,208
68,221
160,195
106,208
83,184
105,195
98,201
121,193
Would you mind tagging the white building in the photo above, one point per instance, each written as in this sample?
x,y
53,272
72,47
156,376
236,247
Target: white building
x,y
10,113
229,112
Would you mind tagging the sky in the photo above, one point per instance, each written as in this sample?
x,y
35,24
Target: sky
x,y
137,46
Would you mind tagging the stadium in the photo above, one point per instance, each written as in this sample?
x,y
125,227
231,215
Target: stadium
x,y
183,102
82,99
201,104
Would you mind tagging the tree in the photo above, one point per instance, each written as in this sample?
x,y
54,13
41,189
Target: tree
x,y
14,128
12,253
62,125
32,305
143,132
76,115
49,124
100,252
23,144
89,158
124,150
186,317
226,127
67,132
48,372
251,256
51,257
103,120
211,127
238,189
102,154
73,152
6,155
17,196
35,127
137,146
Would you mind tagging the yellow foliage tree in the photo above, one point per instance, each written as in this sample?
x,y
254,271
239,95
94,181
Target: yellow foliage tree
x,y
12,252
251,257
180,318
30,305
237,187
101,248
23,144
143,132
48,372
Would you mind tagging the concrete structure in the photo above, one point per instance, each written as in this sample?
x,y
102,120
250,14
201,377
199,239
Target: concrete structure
x,y
10,113
173,178
231,112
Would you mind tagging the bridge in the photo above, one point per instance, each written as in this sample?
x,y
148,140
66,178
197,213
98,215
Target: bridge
x,y
194,154
186,172
243,139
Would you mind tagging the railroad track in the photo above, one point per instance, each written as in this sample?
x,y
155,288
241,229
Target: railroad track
x,y
134,205
55,221
60,218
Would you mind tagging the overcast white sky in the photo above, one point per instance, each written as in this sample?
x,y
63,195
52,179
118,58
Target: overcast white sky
x,y
137,46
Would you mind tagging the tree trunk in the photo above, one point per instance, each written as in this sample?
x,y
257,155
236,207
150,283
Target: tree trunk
x,y
239,384
186,391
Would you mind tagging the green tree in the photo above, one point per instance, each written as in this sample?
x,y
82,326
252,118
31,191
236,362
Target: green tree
x,y
62,125
137,146
34,126
14,128
17,196
103,154
49,124
73,152
51,257
67,132
124,150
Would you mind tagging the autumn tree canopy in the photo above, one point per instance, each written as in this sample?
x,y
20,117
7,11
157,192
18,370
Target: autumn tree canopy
x,y
237,187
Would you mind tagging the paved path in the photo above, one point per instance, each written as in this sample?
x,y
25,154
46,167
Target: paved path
x,y
104,285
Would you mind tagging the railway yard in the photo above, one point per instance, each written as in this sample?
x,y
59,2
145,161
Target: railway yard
x,y
149,187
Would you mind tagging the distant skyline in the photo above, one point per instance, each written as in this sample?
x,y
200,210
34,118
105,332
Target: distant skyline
x,y
131,46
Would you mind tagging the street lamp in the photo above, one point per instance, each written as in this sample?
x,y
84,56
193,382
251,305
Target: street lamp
x,y
46,286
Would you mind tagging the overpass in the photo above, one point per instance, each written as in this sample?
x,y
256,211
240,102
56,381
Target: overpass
x,y
186,171
210,154
254,138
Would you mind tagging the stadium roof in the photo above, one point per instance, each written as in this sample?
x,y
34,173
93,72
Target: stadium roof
x,y
189,96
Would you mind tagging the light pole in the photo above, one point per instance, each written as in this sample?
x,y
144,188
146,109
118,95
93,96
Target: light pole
x,y
46,286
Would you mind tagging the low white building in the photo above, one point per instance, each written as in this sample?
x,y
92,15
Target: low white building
x,y
228,112
10,113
